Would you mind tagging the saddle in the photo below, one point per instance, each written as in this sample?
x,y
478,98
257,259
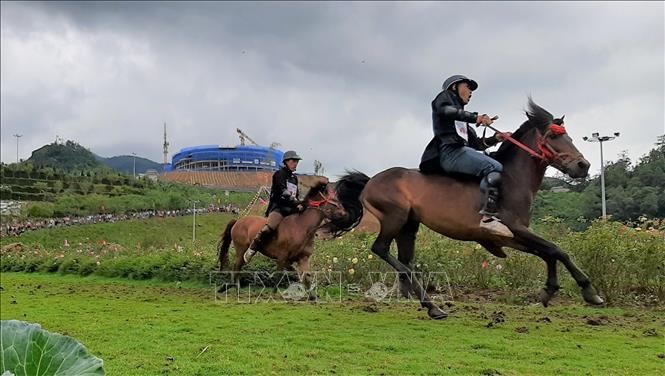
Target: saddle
x,y
432,167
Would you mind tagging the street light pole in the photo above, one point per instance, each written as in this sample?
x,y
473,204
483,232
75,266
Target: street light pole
x,y
17,137
595,137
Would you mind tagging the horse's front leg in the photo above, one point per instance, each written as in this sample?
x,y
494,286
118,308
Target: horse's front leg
x,y
551,253
303,268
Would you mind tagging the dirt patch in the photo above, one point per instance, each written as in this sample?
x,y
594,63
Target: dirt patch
x,y
651,332
522,329
596,321
498,317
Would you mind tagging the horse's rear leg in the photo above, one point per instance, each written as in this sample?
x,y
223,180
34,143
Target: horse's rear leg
x,y
390,228
237,266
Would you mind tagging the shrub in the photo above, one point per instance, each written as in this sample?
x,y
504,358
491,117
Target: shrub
x,y
40,210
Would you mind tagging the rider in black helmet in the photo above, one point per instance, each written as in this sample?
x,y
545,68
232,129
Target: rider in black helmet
x,y
283,202
455,146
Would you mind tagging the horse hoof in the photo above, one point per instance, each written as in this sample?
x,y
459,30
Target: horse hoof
x,y
223,288
545,297
590,296
436,314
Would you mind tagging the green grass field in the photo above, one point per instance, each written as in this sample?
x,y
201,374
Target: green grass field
x,y
151,328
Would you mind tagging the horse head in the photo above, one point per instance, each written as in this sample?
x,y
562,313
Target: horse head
x,y
551,144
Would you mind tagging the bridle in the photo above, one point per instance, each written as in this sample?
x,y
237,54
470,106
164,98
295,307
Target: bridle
x,y
326,199
545,153
330,198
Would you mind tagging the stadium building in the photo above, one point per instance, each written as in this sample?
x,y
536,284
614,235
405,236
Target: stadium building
x,y
247,158
246,167
239,168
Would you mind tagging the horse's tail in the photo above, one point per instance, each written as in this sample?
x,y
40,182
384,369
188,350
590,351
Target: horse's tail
x,y
348,190
224,245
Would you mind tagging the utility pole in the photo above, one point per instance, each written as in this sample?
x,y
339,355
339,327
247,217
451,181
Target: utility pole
x,y
194,224
595,137
134,155
166,147
17,137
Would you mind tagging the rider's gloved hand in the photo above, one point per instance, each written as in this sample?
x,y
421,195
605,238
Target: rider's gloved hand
x,y
484,119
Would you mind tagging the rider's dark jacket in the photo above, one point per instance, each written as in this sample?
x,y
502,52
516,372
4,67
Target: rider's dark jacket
x,y
284,192
447,107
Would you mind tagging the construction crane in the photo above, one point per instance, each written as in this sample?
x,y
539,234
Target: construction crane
x,y
275,145
166,147
244,137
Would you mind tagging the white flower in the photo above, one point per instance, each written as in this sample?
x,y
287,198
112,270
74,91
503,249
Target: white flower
x,y
335,260
351,271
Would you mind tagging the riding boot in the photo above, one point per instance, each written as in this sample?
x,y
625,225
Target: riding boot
x,y
489,189
259,242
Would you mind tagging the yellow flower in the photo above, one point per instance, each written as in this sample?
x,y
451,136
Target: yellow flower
x,y
369,257
354,260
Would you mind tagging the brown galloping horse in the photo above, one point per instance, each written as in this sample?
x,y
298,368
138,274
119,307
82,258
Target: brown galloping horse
x,y
402,199
294,238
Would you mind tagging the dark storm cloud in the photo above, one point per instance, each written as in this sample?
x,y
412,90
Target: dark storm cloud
x,y
346,83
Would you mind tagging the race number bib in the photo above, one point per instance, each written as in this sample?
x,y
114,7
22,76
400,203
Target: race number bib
x,y
292,188
461,129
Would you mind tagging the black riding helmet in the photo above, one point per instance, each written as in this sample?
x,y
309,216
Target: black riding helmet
x,y
450,81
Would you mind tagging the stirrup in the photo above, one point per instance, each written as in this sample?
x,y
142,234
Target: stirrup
x,y
249,253
494,226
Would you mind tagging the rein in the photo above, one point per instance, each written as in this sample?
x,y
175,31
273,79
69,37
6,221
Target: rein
x,y
547,153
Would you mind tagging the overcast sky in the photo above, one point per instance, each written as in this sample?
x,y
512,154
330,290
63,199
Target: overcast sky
x,y
349,84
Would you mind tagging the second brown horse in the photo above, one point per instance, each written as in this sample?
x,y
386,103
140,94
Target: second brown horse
x,y
293,242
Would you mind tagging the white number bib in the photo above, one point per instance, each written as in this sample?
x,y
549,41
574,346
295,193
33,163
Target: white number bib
x,y
292,188
460,127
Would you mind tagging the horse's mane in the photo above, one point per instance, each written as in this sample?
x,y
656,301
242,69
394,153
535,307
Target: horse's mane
x,y
538,119
347,191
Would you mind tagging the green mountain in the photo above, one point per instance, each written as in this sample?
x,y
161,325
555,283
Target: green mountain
x,y
70,156
125,164
66,156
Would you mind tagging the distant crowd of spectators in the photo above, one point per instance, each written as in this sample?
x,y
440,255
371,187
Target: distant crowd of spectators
x,y
16,228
